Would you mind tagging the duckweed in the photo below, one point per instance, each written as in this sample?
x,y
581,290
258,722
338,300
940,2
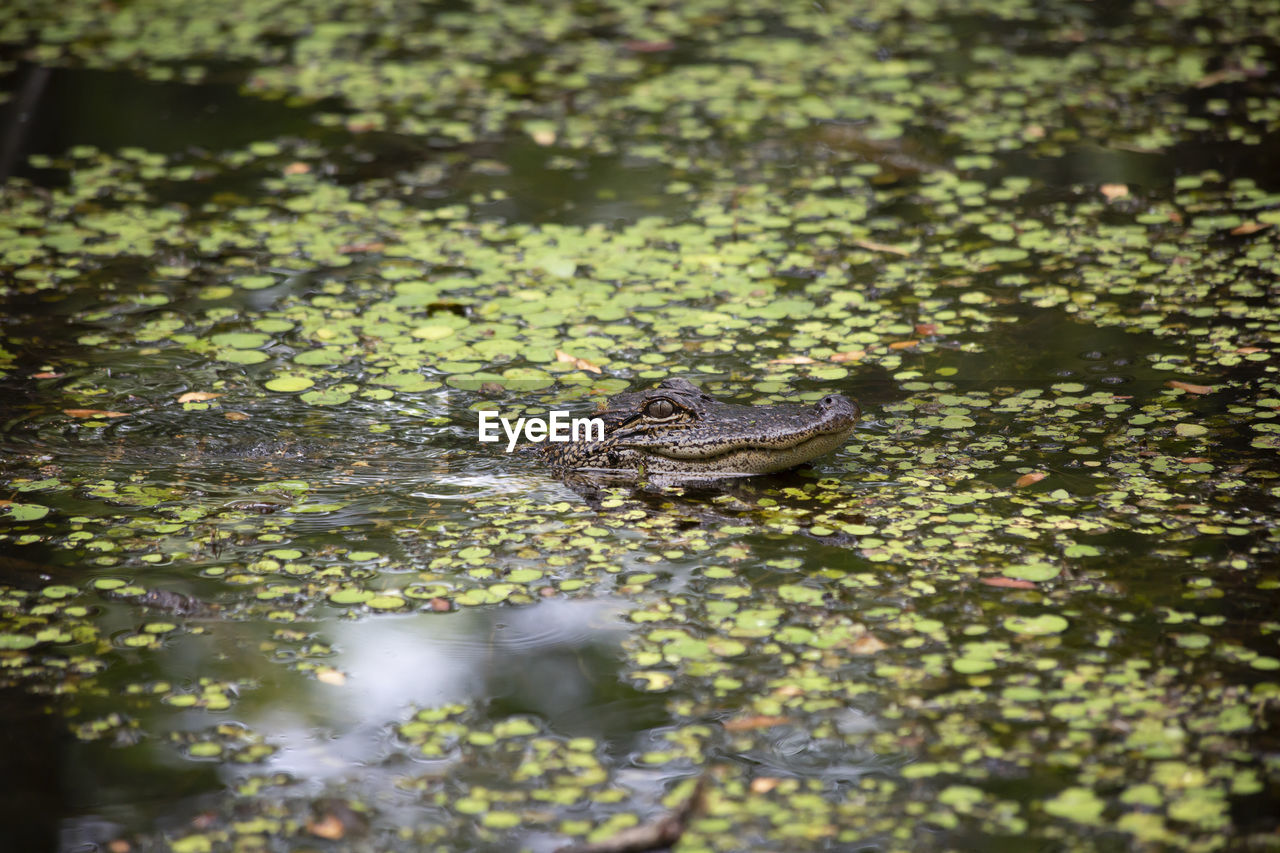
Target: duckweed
x,y
1033,596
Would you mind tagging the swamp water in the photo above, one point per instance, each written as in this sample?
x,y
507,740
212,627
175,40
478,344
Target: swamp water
x,y
262,589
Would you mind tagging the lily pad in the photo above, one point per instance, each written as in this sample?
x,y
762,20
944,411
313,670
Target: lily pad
x,y
1046,623
288,384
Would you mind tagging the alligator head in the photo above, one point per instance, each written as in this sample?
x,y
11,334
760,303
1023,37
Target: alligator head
x,y
677,430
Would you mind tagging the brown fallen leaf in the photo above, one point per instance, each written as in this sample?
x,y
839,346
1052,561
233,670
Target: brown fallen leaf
x,y
1189,387
329,827
1028,479
764,784
1008,583
580,363
236,416
640,46
1114,191
439,605
926,329
47,374
1248,350
94,413
1033,131
760,721
334,818
873,246
1192,460
851,355
353,248
1213,78
333,677
1249,228
197,396
868,644
297,168
1230,74
904,344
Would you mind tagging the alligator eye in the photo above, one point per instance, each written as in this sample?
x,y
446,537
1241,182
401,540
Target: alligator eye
x,y
660,410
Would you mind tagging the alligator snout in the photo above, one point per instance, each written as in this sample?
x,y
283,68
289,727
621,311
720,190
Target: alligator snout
x,y
676,429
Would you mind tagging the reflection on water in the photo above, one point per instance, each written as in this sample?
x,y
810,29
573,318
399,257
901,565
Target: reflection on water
x,y
468,487
556,659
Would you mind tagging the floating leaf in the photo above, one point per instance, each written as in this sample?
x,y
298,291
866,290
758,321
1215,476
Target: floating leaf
x,y
873,246
800,594
241,340
867,644
1189,387
331,676
1047,623
94,413
329,827
22,512
1111,192
580,363
1079,804
16,641
1008,583
288,383
1246,228
747,724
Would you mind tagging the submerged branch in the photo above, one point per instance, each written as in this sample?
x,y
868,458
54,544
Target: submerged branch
x,y
663,832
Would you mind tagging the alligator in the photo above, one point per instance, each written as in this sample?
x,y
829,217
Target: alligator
x,y
676,430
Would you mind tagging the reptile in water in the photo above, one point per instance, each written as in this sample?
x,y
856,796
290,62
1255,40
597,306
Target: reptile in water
x,y
676,430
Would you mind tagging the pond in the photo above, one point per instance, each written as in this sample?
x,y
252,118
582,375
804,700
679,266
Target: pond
x,y
262,266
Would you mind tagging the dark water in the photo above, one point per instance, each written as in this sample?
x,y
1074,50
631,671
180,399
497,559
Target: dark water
x,y
311,625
